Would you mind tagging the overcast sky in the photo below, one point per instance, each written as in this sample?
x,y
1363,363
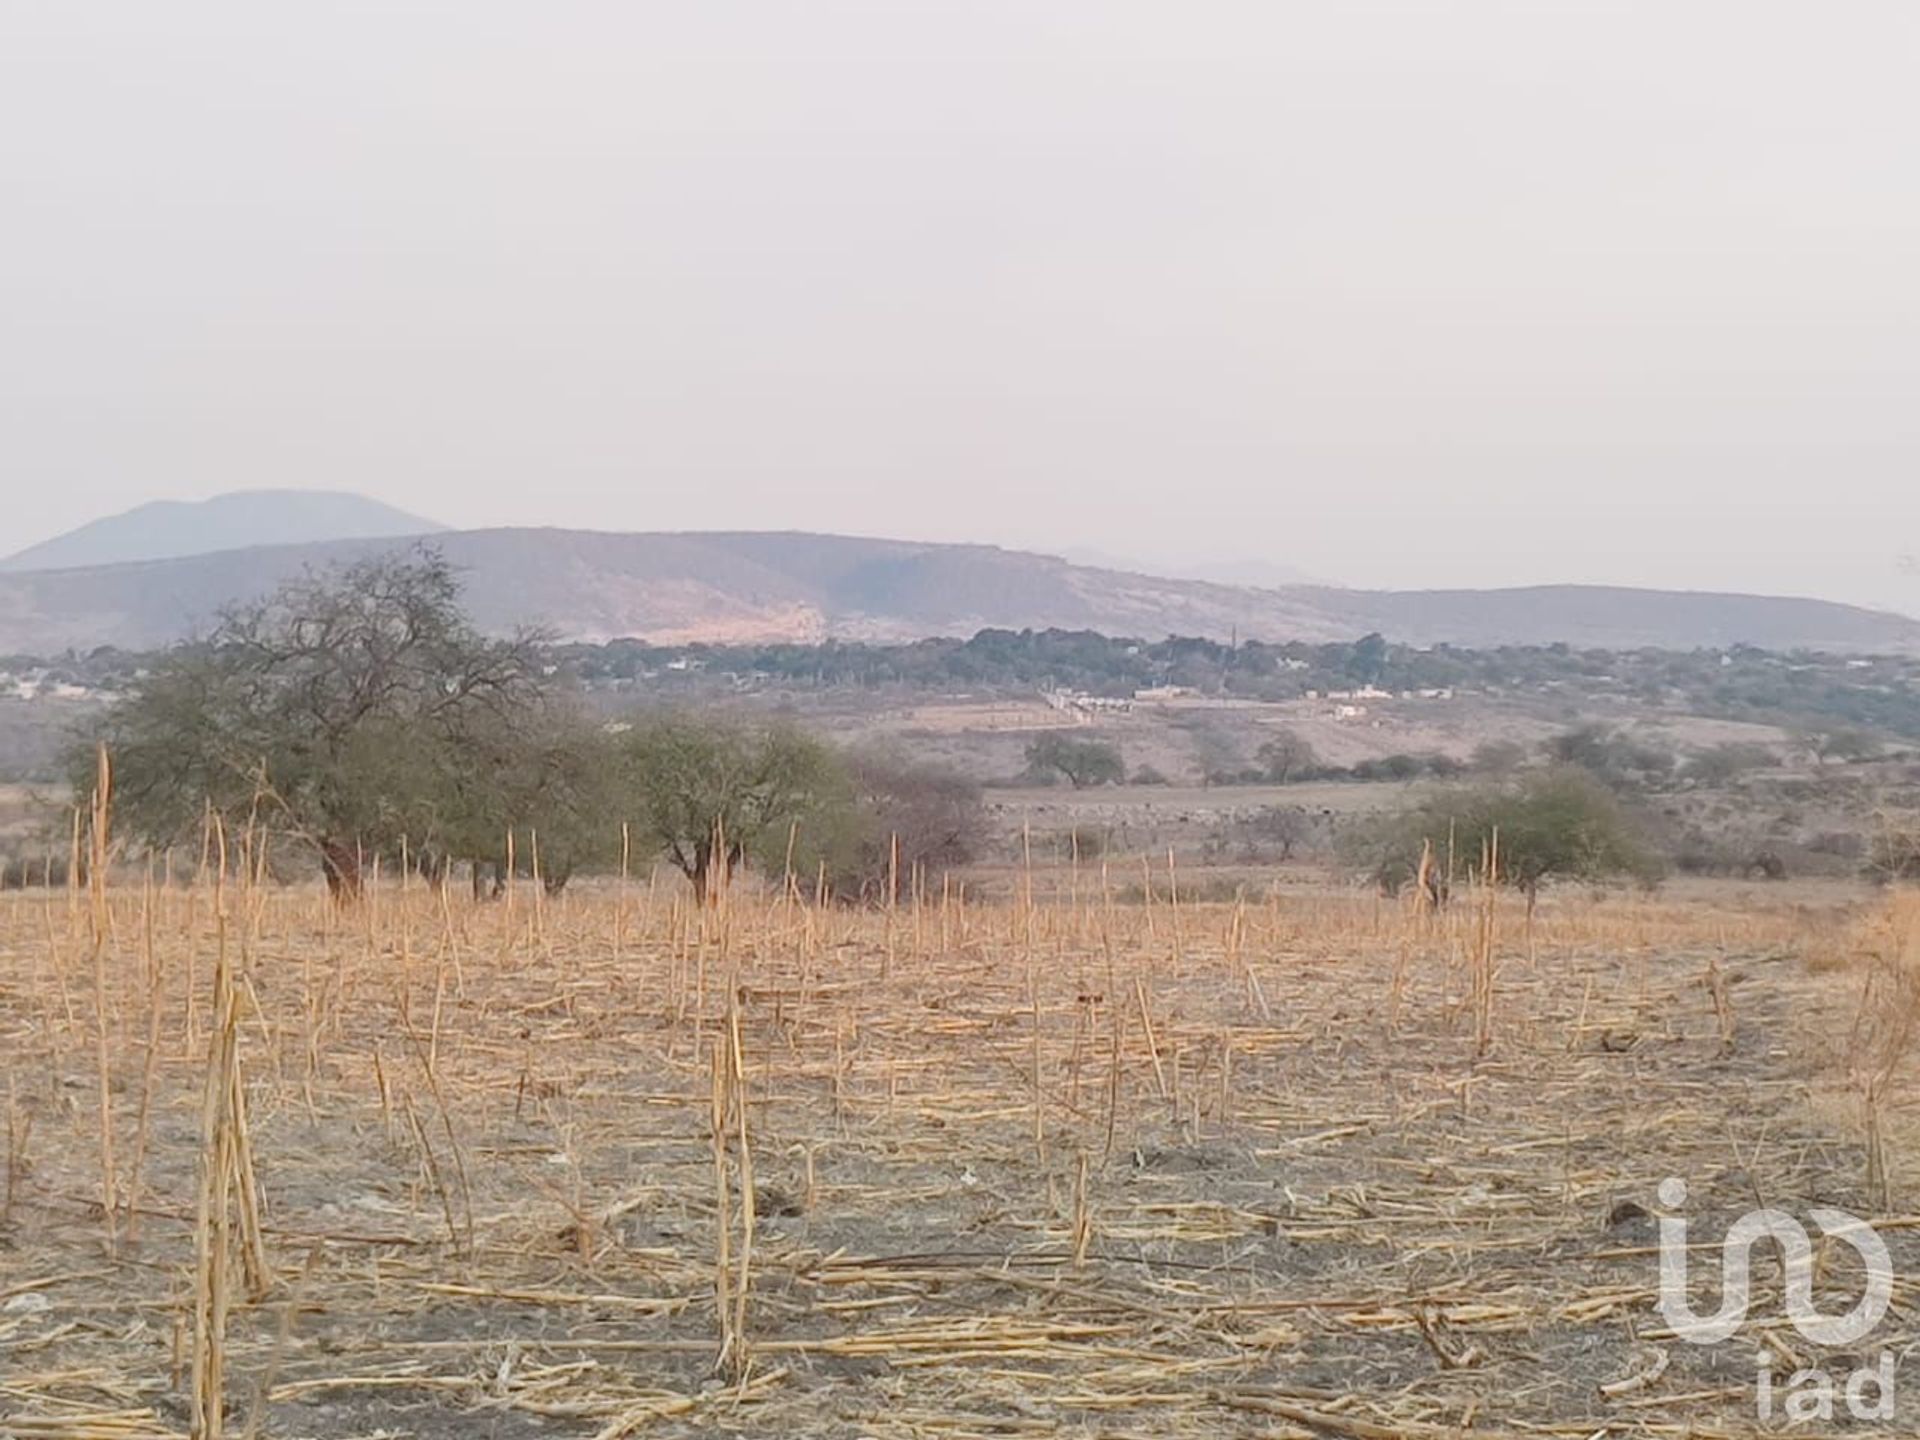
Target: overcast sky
x,y
1443,293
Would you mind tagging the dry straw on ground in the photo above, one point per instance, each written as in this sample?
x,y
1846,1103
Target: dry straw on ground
x,y
610,1165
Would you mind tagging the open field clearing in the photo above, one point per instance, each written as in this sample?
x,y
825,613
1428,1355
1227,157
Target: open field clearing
x,y
611,1165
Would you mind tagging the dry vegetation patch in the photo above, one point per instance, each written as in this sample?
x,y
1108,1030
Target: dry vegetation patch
x,y
614,1165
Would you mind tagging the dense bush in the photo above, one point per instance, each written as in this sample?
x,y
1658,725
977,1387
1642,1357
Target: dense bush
x,y
1557,823
1615,759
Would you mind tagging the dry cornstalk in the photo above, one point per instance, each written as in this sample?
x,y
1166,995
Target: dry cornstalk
x,y
99,922
737,1086
1715,982
19,1129
149,1058
1481,957
1082,1214
1039,1095
226,1180
722,1209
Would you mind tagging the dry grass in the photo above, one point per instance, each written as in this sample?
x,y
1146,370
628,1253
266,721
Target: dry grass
x,y
608,1165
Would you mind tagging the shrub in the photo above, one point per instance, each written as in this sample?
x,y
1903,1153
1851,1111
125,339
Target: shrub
x,y
1560,823
1718,764
1497,757
1894,853
908,821
1841,844
1615,759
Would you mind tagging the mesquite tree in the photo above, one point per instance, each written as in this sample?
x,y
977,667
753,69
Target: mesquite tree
x,y
352,709
711,794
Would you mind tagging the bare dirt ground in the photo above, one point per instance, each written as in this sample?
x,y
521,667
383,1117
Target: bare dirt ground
x,y
1064,1168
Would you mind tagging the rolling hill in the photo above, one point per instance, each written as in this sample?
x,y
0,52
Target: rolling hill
x,y
165,529
767,586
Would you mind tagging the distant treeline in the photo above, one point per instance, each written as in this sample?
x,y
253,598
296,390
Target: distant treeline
x,y
1802,689
1796,690
357,719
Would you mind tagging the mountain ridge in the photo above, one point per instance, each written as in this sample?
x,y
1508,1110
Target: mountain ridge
x,y
802,586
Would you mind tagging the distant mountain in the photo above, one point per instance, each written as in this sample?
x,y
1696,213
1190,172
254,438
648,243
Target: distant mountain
x,y
1614,617
165,529
1238,570
759,587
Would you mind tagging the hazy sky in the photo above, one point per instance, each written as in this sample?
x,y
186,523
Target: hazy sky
x,y
1455,292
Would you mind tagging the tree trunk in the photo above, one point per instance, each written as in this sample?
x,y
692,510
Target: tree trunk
x,y
697,872
340,863
488,878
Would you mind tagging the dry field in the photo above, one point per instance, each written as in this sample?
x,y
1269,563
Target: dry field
x,y
987,737
613,1165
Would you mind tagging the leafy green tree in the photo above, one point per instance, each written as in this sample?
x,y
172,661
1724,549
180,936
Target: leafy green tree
x,y
1217,755
1081,762
1367,659
1402,766
712,795
1556,823
548,781
1618,760
1286,756
341,710
1497,757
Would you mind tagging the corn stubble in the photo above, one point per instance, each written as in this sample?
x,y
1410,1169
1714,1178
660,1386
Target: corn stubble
x,y
630,1163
